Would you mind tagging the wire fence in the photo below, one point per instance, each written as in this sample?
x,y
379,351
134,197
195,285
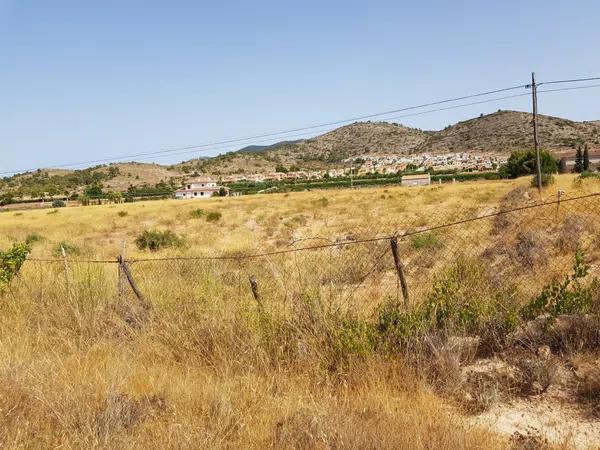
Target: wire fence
x,y
511,250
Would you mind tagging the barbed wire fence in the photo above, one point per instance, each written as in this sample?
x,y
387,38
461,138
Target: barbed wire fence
x,y
515,248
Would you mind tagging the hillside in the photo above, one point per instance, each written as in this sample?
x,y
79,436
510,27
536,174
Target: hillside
x,y
509,130
499,132
321,151
112,177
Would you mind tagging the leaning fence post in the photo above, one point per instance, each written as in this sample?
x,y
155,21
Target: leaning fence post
x,y
559,195
254,288
121,260
399,269
124,268
64,255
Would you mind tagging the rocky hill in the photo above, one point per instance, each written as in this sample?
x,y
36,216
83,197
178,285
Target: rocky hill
x,y
504,131
500,132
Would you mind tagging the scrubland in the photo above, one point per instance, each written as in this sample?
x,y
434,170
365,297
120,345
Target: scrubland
x,y
327,356
262,221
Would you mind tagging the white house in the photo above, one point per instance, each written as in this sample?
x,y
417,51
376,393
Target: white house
x,y
416,180
199,188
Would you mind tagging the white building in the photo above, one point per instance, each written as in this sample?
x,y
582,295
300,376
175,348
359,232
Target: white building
x,y
416,180
199,188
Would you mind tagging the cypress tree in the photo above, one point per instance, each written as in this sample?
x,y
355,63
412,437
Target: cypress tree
x,y
586,158
578,160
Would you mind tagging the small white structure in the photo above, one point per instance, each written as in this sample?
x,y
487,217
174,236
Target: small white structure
x,y
416,180
199,188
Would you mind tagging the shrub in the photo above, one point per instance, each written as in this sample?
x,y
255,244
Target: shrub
x,y
197,213
530,249
70,249
11,262
524,163
463,299
154,240
58,204
566,296
32,238
322,202
422,241
122,213
589,175
547,180
214,216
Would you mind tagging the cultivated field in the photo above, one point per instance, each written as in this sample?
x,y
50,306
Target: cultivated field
x,y
325,353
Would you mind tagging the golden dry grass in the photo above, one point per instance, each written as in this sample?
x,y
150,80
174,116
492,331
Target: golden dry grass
x,y
264,221
80,367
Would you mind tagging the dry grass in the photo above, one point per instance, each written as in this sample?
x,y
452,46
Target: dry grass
x,y
214,374
81,367
259,222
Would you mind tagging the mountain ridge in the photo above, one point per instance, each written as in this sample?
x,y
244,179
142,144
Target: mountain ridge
x,y
500,133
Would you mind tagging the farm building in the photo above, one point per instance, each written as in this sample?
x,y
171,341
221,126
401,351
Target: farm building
x,y
200,188
423,179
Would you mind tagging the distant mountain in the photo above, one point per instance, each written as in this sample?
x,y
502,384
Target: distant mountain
x,y
505,131
500,132
263,148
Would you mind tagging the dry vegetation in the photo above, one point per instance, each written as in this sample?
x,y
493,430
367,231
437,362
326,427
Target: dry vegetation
x,y
500,132
209,367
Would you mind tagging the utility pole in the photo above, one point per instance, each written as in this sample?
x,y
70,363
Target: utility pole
x,y
536,142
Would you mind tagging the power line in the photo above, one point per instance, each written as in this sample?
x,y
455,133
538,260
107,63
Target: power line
x,y
570,88
309,129
526,94
277,133
574,80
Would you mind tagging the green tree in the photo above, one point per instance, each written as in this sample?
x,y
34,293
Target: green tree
x,y
115,197
94,190
523,162
578,160
586,158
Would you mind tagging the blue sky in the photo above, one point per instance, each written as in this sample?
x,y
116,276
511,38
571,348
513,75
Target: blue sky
x,y
83,80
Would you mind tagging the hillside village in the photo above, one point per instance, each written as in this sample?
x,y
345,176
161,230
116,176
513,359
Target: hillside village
x,y
384,165
369,150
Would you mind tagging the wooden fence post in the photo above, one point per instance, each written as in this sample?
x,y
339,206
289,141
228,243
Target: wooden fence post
x,y
399,269
121,260
124,268
67,284
254,288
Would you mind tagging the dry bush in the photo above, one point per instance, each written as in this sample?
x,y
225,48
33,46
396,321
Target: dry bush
x,y
530,249
214,372
531,440
515,198
565,334
587,376
535,375
570,233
